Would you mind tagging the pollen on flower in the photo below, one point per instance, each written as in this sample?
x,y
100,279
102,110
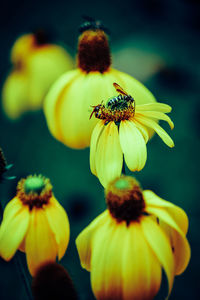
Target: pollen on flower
x,y
93,51
125,200
121,107
34,191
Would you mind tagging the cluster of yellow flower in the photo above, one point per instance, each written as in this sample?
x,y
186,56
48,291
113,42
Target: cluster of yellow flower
x,y
36,65
128,245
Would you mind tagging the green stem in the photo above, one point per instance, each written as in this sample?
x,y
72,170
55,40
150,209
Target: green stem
x,y
23,277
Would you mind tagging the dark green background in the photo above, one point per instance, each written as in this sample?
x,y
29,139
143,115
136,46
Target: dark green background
x,y
168,29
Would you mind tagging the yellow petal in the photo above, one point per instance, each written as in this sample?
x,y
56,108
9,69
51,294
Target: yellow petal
x,y
54,99
182,252
159,116
141,269
160,245
109,156
143,130
12,208
40,243
133,145
15,94
85,91
158,129
59,224
84,240
106,261
22,48
45,65
93,145
181,248
176,212
133,87
13,230
162,107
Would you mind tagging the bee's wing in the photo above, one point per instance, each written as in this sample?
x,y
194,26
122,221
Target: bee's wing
x,y
119,89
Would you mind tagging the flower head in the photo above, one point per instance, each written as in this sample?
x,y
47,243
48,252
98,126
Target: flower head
x,y
52,281
123,130
36,65
67,104
34,222
126,247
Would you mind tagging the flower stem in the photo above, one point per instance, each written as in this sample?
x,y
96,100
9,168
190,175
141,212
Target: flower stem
x,y
23,277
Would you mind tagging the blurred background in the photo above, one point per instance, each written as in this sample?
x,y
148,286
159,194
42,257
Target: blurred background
x,y
156,41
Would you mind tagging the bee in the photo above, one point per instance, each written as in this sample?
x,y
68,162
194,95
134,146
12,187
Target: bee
x,y
98,110
117,108
112,102
125,96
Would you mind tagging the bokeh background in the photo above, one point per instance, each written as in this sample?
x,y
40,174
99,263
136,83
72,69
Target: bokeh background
x,y
156,41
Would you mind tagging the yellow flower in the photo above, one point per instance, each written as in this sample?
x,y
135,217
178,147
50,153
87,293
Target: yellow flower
x,y
126,248
123,130
34,222
36,65
67,105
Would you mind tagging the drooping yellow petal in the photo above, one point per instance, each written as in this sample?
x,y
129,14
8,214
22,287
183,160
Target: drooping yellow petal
x,y
176,212
141,269
12,231
158,129
45,65
162,107
86,90
12,208
22,48
181,251
53,101
93,145
133,87
59,224
160,245
133,145
15,94
109,156
159,116
40,244
181,248
106,260
84,240
73,114
143,130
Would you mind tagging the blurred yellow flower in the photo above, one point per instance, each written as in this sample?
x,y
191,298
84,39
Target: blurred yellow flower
x,y
67,104
123,130
34,222
36,65
125,248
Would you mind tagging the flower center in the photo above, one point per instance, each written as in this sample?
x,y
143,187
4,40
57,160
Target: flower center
x,y
34,185
116,109
41,37
34,191
93,51
125,200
